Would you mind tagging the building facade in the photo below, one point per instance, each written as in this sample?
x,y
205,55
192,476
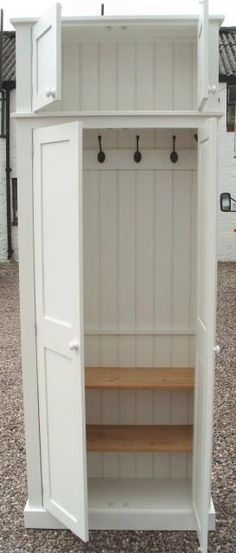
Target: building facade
x,y
227,163
8,175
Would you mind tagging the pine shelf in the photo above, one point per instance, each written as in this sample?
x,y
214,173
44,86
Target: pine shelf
x,y
134,438
127,378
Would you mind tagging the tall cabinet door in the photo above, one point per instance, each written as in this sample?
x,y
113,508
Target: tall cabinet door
x,y
46,59
59,317
203,54
205,331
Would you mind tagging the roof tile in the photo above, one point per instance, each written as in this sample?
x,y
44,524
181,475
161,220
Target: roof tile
x,y
8,57
227,50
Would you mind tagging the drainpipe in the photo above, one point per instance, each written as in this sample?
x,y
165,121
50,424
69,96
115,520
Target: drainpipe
x,y
8,174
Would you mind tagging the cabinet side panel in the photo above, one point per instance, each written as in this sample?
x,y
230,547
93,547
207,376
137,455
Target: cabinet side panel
x,y
27,314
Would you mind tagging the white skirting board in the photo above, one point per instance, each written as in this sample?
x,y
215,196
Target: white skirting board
x,y
126,504
39,518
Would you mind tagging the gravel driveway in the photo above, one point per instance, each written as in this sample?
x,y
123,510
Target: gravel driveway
x,y
13,536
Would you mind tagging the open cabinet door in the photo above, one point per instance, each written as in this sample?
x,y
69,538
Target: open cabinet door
x,y
205,331
203,54
46,59
59,316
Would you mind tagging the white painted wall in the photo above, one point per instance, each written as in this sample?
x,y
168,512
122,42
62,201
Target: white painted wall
x,y
3,203
226,248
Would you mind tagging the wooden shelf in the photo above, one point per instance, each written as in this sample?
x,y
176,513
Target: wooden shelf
x,y
127,378
165,438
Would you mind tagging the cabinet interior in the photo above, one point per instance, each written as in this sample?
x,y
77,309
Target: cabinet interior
x,y
139,228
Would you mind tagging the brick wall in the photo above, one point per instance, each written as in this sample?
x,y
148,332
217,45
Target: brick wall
x,y
3,203
226,239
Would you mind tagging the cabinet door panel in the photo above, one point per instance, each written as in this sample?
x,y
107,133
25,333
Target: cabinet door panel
x,y
59,318
205,328
46,59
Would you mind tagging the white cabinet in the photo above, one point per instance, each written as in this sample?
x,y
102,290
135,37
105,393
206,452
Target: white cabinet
x,y
126,453
119,64
117,274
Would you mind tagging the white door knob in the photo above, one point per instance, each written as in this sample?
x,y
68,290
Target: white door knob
x,y
216,349
73,345
212,89
51,93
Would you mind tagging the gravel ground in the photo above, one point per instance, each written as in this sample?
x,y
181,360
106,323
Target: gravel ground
x,y
13,536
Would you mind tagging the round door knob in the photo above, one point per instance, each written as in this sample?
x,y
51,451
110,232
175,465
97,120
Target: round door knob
x,y
51,93
73,345
212,89
216,349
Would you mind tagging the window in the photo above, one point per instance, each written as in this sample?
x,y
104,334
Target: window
x,y
231,102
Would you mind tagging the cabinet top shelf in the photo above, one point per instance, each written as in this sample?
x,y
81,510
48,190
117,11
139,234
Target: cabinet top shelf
x,y
168,19
124,27
127,378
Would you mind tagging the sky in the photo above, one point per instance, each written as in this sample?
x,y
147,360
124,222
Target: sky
x,y
27,8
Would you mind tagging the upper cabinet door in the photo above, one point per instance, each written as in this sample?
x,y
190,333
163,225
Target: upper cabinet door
x,y
203,54
59,317
46,60
205,327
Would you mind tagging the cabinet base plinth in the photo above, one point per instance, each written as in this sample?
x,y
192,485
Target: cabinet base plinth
x,y
39,518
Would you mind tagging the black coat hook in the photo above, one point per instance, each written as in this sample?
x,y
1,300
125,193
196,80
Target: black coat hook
x,y
174,155
196,137
101,155
137,154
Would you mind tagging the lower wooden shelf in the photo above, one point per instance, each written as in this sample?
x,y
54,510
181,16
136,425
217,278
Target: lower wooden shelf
x,y
132,378
164,438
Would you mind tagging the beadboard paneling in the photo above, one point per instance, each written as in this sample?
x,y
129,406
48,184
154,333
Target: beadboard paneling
x,y
139,259
128,76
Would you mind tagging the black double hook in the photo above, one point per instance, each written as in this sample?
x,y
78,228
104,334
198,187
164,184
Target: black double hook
x,y
137,154
174,155
101,154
